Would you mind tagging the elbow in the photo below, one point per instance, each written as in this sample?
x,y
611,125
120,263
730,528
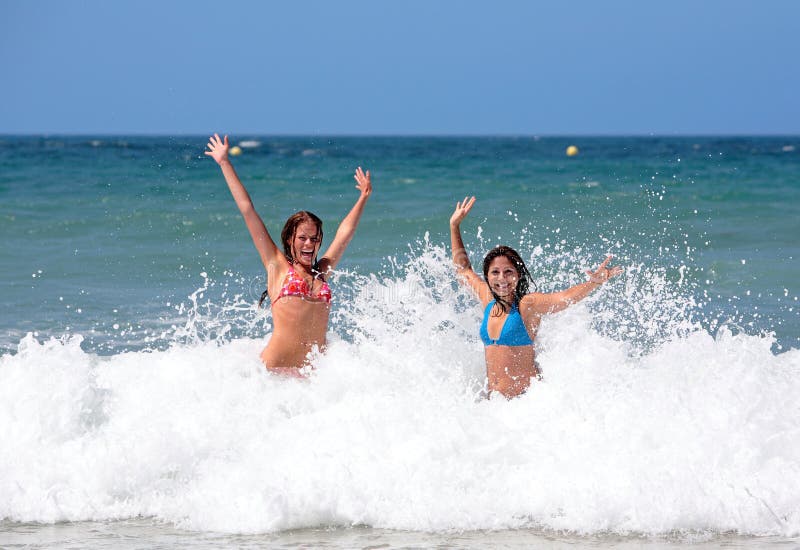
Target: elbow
x,y
245,207
461,258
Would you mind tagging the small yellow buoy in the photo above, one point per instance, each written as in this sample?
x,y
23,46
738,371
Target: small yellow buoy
x,y
572,151
235,151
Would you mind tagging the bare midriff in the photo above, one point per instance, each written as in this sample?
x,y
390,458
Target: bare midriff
x,y
509,369
299,325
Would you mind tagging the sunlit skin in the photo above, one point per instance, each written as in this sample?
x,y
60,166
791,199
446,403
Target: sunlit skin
x,y
510,369
300,323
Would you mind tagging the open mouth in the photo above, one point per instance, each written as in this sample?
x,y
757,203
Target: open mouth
x,y
502,288
306,255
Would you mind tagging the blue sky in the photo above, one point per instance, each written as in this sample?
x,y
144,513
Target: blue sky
x,y
411,67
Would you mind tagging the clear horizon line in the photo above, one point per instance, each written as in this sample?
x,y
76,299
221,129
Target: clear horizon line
x,y
4,134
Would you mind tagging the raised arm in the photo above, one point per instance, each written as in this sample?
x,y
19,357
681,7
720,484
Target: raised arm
x,y
464,271
346,230
218,150
541,303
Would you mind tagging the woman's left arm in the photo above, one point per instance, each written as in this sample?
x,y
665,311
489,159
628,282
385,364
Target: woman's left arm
x,y
541,303
346,230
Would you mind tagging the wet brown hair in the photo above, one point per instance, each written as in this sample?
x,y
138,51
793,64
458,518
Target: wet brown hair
x,y
524,276
287,236
290,228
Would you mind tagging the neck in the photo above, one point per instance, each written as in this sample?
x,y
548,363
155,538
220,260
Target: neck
x,y
508,301
309,270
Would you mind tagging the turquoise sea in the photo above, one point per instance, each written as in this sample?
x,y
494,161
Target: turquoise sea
x,y
131,394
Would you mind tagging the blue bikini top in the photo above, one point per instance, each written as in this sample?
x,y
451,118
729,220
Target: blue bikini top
x,y
513,332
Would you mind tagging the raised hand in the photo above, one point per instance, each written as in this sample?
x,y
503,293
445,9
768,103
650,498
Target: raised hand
x,y
218,149
363,182
603,273
462,209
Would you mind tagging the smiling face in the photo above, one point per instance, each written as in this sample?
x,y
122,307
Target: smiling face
x,y
301,237
502,277
305,244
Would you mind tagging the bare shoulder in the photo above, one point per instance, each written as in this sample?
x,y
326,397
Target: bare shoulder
x,y
535,302
279,267
531,298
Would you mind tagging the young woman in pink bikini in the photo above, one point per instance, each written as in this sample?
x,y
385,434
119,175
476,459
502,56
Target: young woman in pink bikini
x,y
296,282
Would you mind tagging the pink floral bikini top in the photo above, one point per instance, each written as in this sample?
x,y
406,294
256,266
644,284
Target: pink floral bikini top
x,y
295,285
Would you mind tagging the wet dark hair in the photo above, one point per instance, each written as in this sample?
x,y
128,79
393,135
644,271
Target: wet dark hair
x,y
524,280
287,236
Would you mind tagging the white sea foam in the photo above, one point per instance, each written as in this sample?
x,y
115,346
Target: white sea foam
x,y
688,431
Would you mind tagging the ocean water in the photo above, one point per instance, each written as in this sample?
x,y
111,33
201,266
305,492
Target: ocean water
x,y
132,399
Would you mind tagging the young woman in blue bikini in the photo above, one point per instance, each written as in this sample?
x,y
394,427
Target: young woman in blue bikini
x,y
296,283
511,314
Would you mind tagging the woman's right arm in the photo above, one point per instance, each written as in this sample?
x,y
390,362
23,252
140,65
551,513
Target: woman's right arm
x,y
461,261
270,255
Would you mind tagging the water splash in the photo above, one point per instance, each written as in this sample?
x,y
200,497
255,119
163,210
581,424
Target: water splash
x,y
645,422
